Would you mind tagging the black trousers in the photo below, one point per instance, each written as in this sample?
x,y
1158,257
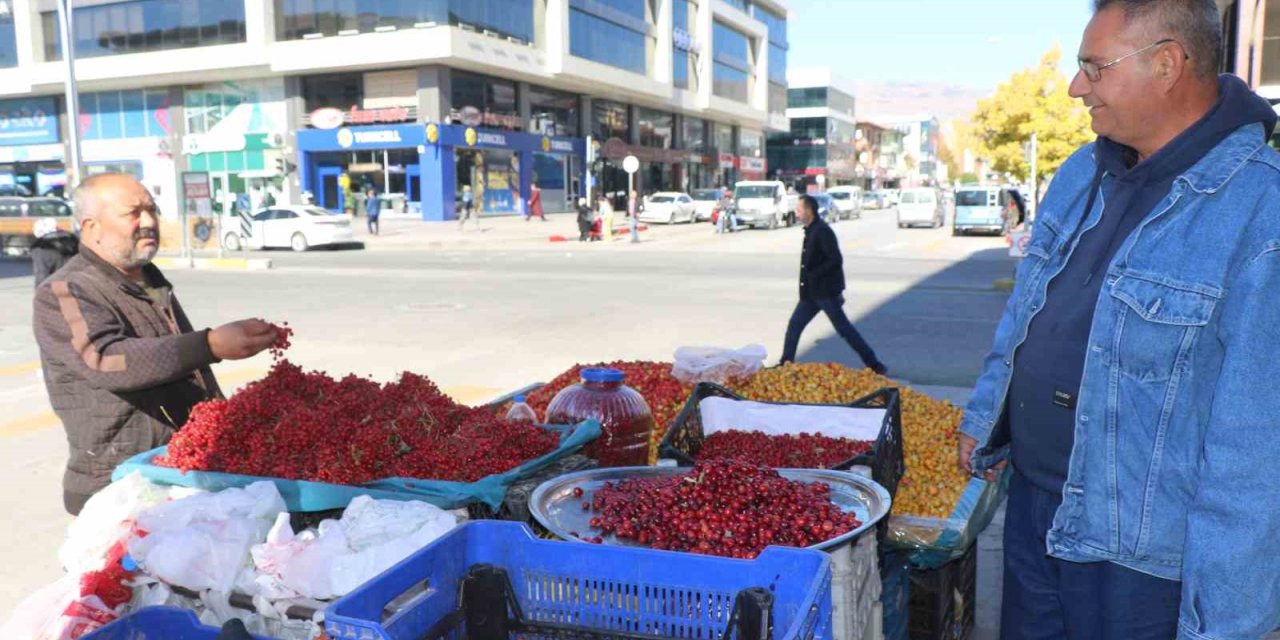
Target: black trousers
x,y
805,312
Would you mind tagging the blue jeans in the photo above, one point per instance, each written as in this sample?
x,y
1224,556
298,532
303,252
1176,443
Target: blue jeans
x,y
1046,598
805,312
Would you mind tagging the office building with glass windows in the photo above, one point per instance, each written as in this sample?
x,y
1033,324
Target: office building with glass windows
x,y
819,147
321,99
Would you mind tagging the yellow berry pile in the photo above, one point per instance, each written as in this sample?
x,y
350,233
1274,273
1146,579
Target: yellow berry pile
x,y
933,482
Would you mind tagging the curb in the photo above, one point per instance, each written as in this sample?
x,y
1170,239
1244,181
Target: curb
x,y
215,264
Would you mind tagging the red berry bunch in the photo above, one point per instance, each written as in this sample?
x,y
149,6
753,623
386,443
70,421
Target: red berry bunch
x,y
108,583
722,507
804,451
308,426
284,335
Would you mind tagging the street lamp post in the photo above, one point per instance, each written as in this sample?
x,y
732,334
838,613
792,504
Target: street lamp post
x,y
72,97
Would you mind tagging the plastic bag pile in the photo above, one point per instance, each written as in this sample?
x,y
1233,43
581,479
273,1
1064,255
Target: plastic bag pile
x,y
181,541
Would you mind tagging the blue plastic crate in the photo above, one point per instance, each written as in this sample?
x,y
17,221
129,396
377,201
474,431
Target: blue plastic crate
x,y
158,623
605,588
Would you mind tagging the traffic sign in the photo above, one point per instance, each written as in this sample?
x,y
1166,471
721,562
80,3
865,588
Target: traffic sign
x,y
1018,243
631,164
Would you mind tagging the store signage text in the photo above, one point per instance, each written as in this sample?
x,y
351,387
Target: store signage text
x,y
331,118
348,137
563,146
755,165
496,139
28,121
473,117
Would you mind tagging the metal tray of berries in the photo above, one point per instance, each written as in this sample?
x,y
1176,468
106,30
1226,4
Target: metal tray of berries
x,y
557,504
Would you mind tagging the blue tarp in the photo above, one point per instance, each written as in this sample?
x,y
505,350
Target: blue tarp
x,y
302,495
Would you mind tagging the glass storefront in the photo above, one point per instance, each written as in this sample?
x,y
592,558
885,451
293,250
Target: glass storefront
x,y
656,128
233,128
750,143
484,101
553,113
337,90
139,26
722,136
609,120
31,154
492,174
807,97
731,71
612,32
682,14
693,134
296,19
8,41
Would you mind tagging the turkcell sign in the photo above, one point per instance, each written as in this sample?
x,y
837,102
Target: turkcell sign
x,y
377,136
562,146
495,139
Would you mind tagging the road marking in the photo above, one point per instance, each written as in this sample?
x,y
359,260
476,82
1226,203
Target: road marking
x,y
20,369
29,424
935,246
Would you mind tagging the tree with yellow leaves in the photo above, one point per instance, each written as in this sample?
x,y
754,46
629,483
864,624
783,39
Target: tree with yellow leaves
x,y
1034,100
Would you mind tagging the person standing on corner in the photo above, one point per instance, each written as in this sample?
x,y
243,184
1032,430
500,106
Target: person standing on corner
x,y
122,364
52,249
1128,383
535,204
468,207
585,218
373,209
634,206
822,287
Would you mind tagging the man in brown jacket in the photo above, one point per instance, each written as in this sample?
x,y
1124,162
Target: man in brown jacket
x,y
121,362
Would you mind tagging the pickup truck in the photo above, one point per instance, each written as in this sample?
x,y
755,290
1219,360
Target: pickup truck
x,y
764,203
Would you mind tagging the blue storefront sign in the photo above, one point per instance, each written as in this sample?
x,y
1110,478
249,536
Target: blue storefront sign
x,y
438,146
28,121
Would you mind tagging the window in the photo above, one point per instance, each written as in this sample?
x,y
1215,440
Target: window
x,y
796,157
741,4
339,91
553,113
297,18
723,137
777,64
140,26
595,38
777,98
807,97
111,115
656,128
776,24
840,102
609,120
808,128
731,71
750,143
258,106
484,101
694,134
680,69
8,41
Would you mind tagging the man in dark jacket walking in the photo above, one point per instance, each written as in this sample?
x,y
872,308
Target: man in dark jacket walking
x,y
822,287
52,249
122,364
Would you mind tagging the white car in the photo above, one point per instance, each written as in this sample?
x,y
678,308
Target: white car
x,y
920,207
705,201
297,227
848,201
668,207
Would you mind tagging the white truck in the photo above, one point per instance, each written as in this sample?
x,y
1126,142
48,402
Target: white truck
x,y
764,203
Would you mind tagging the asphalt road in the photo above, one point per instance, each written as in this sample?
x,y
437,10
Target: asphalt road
x,y
485,320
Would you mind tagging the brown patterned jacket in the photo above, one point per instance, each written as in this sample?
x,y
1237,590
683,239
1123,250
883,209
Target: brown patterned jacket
x,y
122,366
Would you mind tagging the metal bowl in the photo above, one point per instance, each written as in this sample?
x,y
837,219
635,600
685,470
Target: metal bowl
x,y
556,508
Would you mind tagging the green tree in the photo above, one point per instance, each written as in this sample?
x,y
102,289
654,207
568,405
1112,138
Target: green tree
x,y
1034,100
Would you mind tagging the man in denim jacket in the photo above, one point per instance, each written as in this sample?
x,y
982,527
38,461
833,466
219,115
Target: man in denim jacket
x,y
1130,378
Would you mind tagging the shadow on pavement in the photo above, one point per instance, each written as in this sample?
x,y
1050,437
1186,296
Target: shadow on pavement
x,y
934,333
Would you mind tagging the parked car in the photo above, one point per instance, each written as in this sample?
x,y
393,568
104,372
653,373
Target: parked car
x,y
848,201
669,207
920,206
827,207
297,227
18,216
983,209
764,203
889,198
872,200
704,202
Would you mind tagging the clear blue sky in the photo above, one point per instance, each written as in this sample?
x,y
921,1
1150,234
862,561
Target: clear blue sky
x,y
977,43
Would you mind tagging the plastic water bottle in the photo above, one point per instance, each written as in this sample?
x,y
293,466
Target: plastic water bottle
x,y
521,412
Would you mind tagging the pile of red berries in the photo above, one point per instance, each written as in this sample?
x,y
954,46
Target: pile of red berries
x,y
308,426
723,507
804,451
284,335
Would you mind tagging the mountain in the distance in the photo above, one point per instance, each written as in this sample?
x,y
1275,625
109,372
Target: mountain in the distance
x,y
889,99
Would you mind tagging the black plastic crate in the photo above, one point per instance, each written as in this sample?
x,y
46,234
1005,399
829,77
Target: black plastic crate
x,y
516,504
684,439
942,600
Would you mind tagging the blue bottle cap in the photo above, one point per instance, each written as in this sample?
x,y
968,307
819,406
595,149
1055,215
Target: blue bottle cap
x,y
128,564
603,375
519,399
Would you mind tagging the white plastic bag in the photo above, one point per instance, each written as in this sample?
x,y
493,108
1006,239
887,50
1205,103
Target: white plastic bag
x,y
57,612
202,542
107,518
716,364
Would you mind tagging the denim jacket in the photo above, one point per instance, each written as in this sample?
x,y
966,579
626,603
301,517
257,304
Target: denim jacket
x,y
1175,468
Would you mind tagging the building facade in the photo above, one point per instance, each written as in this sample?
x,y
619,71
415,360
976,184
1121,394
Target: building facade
x,y
820,147
322,99
921,137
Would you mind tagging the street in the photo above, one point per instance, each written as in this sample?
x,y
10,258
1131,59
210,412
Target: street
x,y
498,315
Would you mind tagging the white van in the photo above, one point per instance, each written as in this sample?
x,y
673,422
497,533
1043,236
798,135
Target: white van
x,y
920,207
763,203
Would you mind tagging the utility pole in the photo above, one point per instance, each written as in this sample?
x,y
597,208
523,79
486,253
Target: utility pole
x,y
72,97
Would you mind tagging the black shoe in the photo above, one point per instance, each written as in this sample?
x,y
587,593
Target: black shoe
x,y
879,369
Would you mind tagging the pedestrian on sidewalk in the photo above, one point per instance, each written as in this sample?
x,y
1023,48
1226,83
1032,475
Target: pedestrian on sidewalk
x,y
1129,379
52,248
468,207
373,209
122,364
822,287
585,218
535,204
633,213
606,219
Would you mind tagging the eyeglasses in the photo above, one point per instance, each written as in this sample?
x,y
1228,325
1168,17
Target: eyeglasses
x,y
1093,71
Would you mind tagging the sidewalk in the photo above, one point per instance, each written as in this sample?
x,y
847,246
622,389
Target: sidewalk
x,y
401,233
